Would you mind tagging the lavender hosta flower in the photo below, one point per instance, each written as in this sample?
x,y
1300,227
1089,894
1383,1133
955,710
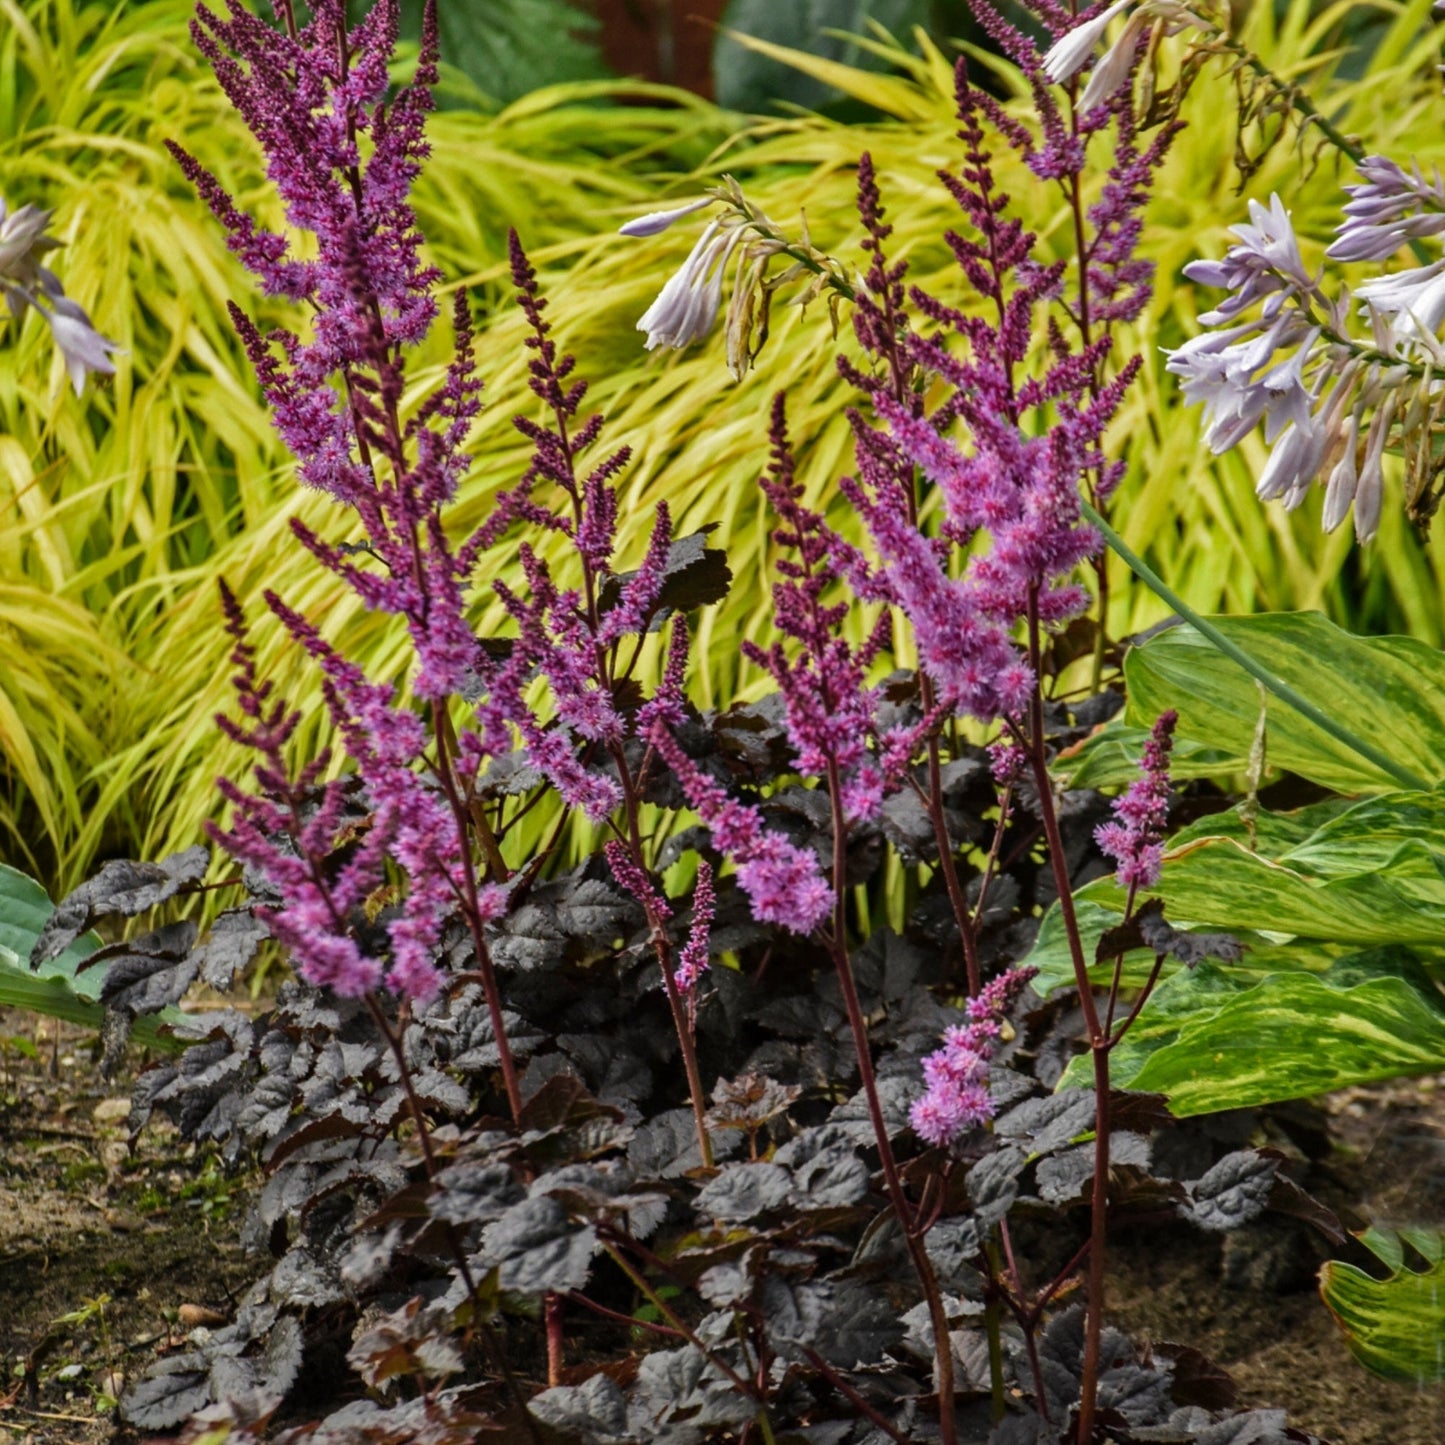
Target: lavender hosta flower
x,y
654,223
687,305
1135,838
1411,302
26,283
1266,263
1388,208
956,1098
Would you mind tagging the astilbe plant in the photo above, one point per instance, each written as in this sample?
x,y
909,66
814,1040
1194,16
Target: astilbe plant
x,y
458,1103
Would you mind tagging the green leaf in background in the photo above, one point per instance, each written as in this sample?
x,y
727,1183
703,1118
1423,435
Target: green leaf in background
x,y
508,48
1367,874
1209,1040
751,80
1389,690
55,989
1395,1326
1109,758
1341,907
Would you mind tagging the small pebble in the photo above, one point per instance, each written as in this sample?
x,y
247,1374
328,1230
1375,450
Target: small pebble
x,y
111,1111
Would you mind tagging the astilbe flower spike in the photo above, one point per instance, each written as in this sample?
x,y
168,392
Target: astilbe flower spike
x,y
1135,837
335,395
783,882
956,1098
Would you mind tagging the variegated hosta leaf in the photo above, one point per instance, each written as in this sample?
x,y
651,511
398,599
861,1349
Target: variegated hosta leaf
x,y
1342,910
1210,1042
1388,690
1394,1326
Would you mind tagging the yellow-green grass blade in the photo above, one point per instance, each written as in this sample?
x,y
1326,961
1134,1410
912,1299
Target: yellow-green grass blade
x,y
132,502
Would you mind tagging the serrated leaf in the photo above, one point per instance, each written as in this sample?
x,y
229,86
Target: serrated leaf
x,y
825,1168
1393,1326
665,1146
57,988
538,1248
175,1390
594,1412
120,887
229,947
1233,1192
474,1193
743,1191
1049,1122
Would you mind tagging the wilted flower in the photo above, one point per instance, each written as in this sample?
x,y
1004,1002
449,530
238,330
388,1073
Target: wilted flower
x,y
1412,301
25,282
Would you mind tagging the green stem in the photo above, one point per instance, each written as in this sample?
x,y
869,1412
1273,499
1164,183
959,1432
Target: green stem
x,y
1282,690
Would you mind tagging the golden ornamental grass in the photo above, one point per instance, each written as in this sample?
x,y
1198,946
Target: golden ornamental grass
x,y
123,509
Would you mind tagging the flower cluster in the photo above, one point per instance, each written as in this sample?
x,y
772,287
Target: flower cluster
x,y
1282,349
1135,839
1011,534
687,306
957,1097
782,881
1073,50
26,283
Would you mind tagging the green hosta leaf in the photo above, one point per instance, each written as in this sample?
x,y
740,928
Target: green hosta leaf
x,y
1307,888
1210,1040
1110,758
55,988
1263,955
1394,1326
510,47
1388,690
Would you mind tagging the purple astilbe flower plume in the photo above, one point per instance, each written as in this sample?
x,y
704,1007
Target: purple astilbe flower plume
x,y
309,95
570,635
694,961
1135,839
1016,481
956,1098
830,711
783,882
288,828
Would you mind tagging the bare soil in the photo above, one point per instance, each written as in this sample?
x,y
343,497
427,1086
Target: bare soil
x,y
108,1255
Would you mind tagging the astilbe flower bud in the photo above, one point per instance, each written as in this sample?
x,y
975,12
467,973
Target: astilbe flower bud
x,y
956,1098
694,961
1135,838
